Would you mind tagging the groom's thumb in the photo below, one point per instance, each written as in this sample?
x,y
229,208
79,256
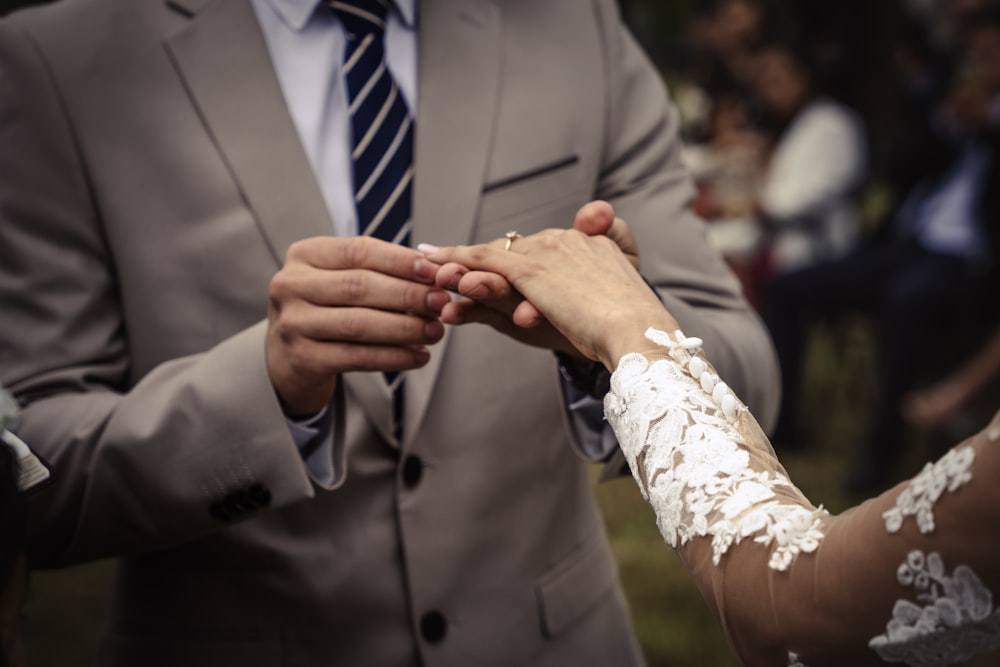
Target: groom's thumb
x,y
594,218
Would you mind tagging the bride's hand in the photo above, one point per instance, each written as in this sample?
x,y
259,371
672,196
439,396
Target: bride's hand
x,y
586,287
492,300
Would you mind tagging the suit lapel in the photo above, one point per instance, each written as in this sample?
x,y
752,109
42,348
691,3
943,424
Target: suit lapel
x,y
459,68
223,60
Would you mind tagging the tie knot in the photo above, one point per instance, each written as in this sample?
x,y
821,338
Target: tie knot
x,y
361,17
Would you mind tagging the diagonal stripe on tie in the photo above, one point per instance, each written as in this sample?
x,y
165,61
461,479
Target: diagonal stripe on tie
x,y
381,137
381,125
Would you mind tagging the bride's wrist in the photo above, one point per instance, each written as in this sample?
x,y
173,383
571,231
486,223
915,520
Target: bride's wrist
x,y
630,337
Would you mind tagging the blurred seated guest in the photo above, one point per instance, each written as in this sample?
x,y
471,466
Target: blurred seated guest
x,y
724,37
727,165
935,250
727,168
799,204
807,200
947,403
709,60
905,577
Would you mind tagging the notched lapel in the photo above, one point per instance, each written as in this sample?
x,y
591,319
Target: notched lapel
x,y
459,78
459,70
223,60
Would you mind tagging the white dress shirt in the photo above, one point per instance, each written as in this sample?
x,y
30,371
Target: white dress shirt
x,y
306,42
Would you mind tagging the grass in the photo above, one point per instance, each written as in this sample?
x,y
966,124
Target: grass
x,y
673,623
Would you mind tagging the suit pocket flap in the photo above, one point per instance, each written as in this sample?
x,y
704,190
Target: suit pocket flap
x,y
538,187
575,585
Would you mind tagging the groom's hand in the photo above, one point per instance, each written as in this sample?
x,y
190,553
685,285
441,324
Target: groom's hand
x,y
347,304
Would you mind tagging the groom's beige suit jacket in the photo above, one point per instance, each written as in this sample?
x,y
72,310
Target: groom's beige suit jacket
x,y
151,181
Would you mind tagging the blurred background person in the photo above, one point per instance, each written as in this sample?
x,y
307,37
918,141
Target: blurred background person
x,y
932,256
807,202
781,173
952,403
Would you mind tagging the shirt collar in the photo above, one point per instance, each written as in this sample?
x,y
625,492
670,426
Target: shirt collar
x,y
296,13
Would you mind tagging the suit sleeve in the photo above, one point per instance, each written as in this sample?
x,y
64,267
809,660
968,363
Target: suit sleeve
x,y
644,179
138,464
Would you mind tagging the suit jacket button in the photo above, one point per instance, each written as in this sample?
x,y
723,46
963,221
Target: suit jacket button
x,y
433,626
413,471
259,494
239,502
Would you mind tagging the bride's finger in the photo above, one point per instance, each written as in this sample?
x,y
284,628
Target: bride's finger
x,y
487,257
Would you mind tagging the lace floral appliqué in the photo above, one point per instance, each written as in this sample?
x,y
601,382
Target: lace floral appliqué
x,y
955,622
684,434
947,474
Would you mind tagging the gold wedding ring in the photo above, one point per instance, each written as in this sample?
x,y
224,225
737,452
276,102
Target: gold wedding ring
x,y
510,239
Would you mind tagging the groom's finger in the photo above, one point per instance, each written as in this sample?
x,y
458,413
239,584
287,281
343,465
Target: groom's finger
x,y
473,312
594,218
526,315
620,233
448,276
598,218
490,289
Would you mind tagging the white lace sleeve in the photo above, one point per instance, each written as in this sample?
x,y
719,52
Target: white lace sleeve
x,y
702,462
685,436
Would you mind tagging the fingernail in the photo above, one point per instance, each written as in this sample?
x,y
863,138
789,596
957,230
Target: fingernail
x,y
452,283
434,330
437,300
424,269
478,292
427,248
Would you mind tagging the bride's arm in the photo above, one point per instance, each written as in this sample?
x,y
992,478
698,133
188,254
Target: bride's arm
x,y
907,576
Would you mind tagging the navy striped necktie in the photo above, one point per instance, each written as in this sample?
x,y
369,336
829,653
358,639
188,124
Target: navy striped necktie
x,y
381,140
381,125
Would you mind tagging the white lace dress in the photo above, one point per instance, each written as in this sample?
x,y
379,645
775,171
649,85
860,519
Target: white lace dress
x,y
903,578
